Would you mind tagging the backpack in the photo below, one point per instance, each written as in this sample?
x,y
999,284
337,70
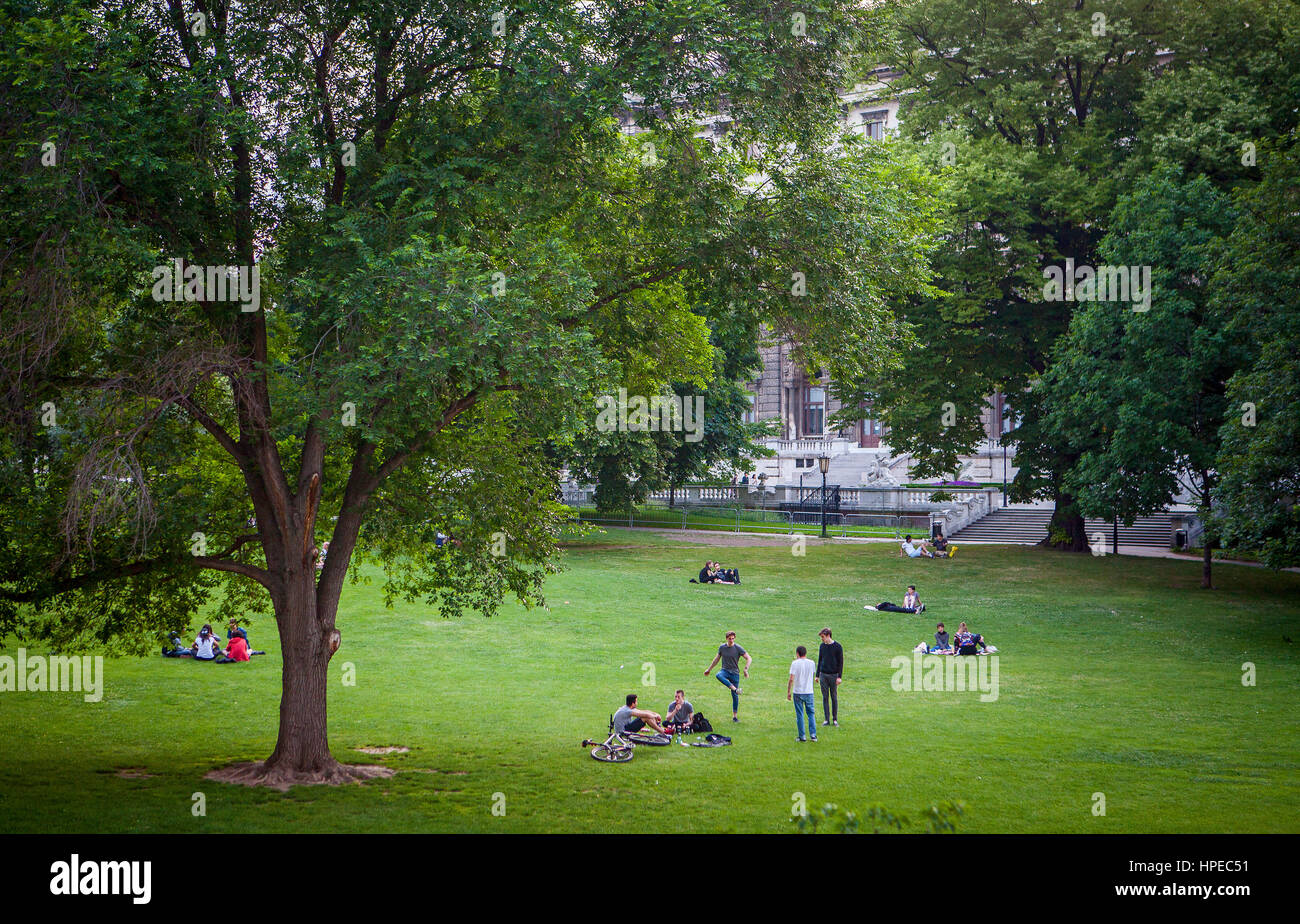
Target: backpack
x,y
700,724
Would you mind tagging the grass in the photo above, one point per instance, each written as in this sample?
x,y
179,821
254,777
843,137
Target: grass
x,y
1117,676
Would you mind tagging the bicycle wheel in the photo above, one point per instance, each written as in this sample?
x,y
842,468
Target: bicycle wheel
x,y
655,740
612,754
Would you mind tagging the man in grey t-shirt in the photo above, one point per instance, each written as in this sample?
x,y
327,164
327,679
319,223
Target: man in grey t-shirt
x,y
679,711
629,718
729,674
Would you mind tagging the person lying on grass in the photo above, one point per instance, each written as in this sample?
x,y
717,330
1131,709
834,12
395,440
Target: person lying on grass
x,y
912,551
911,603
630,719
967,642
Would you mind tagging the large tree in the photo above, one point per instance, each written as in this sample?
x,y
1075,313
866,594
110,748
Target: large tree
x,y
457,250
1139,393
1026,110
1257,284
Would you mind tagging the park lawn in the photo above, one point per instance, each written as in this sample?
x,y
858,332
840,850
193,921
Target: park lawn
x,y
1116,676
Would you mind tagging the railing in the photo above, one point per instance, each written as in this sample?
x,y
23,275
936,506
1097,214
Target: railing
x,y
833,446
970,506
742,519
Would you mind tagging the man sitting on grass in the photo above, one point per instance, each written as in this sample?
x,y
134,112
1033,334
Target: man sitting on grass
x,y
679,712
911,551
630,719
942,644
911,603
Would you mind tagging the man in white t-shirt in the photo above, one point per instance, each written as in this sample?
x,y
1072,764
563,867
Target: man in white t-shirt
x,y
911,551
800,692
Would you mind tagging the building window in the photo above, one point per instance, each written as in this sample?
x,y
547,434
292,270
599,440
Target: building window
x,y
873,123
749,411
814,410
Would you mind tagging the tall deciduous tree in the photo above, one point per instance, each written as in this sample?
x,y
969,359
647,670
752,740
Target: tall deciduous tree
x,y
456,249
1257,283
1027,110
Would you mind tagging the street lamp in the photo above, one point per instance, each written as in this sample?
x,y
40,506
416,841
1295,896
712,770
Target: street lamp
x,y
824,463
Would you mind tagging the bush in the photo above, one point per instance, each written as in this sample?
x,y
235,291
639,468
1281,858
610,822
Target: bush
x,y
831,819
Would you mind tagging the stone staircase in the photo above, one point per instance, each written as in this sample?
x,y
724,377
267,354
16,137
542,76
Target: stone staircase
x,y
1028,525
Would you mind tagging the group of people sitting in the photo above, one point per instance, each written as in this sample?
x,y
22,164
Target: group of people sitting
x,y
207,646
911,603
678,718
925,549
713,573
964,642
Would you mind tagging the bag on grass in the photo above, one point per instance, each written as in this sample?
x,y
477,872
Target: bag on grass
x,y
712,741
700,724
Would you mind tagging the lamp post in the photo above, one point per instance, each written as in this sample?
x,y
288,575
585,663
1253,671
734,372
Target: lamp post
x,y
824,463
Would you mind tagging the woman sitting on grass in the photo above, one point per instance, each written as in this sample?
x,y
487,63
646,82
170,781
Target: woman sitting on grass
x,y
967,642
206,647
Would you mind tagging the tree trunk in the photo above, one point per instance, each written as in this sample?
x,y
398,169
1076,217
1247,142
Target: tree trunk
x,y
308,640
303,743
1067,519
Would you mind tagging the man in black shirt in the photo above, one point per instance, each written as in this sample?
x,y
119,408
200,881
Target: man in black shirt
x,y
830,668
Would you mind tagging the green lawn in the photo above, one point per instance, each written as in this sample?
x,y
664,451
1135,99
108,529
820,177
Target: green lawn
x,y
1116,675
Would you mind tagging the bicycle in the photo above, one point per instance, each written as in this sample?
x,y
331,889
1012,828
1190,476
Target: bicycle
x,y
619,747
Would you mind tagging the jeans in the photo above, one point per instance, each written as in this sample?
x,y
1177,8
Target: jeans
x,y
803,703
731,679
892,608
830,697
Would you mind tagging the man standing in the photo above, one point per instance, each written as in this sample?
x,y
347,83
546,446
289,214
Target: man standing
x,y
800,691
729,674
679,711
830,670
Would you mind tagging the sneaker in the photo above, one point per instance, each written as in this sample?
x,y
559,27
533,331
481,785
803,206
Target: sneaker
x,y
868,607
922,609
801,740
836,723
814,737
735,718
739,691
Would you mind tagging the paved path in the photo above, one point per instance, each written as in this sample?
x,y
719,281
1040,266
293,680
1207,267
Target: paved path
x,y
732,538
